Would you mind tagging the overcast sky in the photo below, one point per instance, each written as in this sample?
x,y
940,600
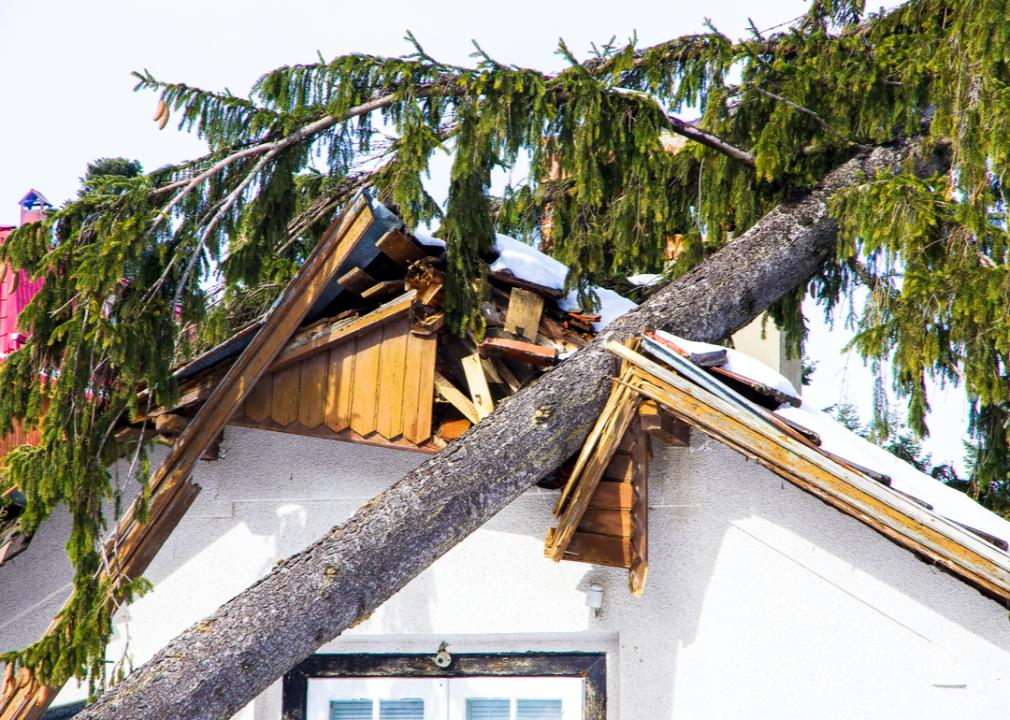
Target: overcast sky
x,y
65,78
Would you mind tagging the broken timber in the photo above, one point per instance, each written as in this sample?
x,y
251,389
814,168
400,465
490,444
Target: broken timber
x,y
745,427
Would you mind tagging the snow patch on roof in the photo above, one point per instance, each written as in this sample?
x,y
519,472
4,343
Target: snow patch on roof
x,y
644,279
739,363
947,502
529,264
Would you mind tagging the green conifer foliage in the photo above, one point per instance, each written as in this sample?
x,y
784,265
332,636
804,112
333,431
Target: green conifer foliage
x,y
129,263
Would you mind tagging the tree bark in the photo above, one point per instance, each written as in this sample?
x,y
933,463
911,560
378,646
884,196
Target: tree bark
x,y
221,663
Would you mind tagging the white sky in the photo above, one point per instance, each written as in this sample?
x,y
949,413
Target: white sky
x,y
65,77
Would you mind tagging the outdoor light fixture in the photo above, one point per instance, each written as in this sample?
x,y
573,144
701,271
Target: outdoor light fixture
x,y
594,598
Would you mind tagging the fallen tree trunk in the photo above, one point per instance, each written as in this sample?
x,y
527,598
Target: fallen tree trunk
x,y
219,665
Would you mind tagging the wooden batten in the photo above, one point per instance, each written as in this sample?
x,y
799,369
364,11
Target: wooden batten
x,y
400,248
383,289
356,280
476,380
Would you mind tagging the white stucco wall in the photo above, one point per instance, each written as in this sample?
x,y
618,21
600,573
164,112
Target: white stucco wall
x,y
762,602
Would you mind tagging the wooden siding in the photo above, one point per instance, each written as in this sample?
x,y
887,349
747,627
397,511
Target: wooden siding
x,y
377,385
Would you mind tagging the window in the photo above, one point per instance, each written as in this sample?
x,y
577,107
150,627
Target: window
x,y
535,686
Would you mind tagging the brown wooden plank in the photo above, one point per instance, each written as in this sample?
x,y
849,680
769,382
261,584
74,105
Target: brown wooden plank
x,y
451,394
339,385
607,522
621,468
392,373
419,387
519,351
312,390
382,289
599,550
480,393
365,391
356,280
257,405
284,403
524,311
639,570
399,248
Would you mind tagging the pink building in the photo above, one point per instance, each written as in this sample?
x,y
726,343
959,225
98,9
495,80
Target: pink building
x,y
17,289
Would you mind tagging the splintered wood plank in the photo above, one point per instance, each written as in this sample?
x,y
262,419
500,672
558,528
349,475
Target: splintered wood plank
x,y
399,248
382,289
257,405
365,392
392,373
284,403
480,393
599,550
524,311
339,386
596,455
506,374
312,390
607,522
356,280
639,570
448,392
419,387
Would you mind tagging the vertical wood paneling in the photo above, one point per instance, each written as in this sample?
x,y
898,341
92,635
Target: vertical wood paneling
x,y
257,405
312,390
419,387
284,403
340,385
365,392
392,372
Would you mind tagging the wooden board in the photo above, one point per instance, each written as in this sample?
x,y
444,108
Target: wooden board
x,y
613,496
392,373
257,405
599,550
480,393
356,280
451,394
339,386
312,390
382,289
419,387
524,311
365,392
284,402
399,248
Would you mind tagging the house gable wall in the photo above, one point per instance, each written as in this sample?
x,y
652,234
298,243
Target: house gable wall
x,y
761,600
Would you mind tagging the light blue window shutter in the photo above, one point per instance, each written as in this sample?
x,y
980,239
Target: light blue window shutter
x,y
487,708
405,709
350,710
538,710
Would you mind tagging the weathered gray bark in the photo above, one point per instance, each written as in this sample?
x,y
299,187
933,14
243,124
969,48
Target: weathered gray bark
x,y
220,664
